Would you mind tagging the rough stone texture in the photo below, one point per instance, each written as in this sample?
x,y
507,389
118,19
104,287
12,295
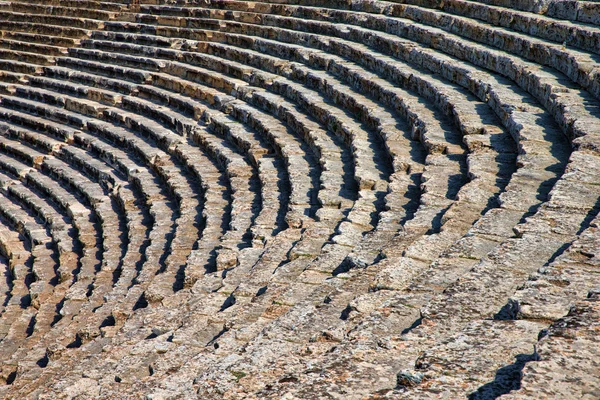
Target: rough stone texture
x,y
299,199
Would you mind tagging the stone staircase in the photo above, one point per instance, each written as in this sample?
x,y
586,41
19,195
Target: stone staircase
x,y
299,199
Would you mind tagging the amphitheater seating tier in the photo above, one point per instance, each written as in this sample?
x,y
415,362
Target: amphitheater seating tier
x,y
299,199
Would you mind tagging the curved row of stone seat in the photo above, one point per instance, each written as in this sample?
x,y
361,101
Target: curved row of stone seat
x,y
583,36
581,11
278,103
126,276
66,32
89,262
18,275
59,223
240,177
85,4
49,19
536,6
20,323
126,202
146,39
258,120
575,63
36,11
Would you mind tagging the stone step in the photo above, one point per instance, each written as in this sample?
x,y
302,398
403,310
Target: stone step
x,y
71,22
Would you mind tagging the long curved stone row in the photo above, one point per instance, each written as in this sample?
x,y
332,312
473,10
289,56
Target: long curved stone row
x,y
18,274
535,81
254,94
46,163
87,327
371,82
438,297
61,227
261,121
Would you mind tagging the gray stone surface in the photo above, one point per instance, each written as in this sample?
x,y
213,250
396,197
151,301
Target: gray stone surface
x,y
299,199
